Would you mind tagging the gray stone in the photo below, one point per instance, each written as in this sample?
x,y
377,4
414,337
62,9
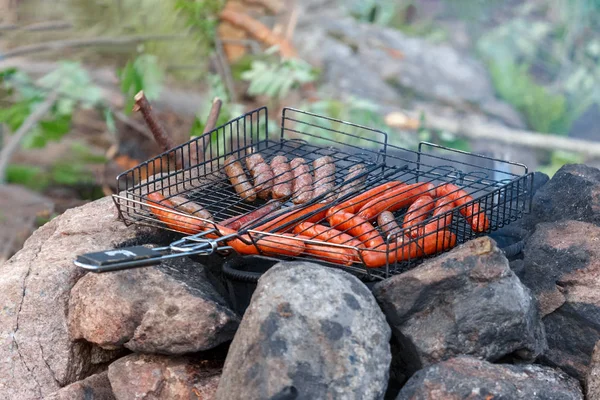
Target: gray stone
x,y
37,357
592,380
466,301
95,387
168,309
311,332
561,266
153,377
470,378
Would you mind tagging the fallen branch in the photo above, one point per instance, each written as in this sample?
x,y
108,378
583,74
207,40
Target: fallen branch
x,y
74,43
158,131
25,127
475,128
198,149
259,31
38,26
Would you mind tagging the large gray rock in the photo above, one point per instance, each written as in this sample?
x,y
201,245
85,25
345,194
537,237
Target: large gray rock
x,y
592,380
470,378
311,332
391,65
168,309
37,357
95,387
561,266
466,301
152,377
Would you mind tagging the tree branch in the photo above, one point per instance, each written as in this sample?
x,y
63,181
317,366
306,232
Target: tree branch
x,y
197,149
25,127
158,131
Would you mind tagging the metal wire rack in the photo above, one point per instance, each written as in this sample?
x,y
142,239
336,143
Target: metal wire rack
x,y
469,195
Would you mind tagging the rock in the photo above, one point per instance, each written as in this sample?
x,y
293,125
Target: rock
x,y
394,67
561,266
573,193
37,356
470,378
592,380
312,332
466,301
95,387
153,377
168,309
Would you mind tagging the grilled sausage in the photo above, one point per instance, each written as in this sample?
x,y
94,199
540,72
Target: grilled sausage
x,y
261,174
394,200
351,182
302,186
190,207
174,221
321,232
332,254
476,218
324,170
387,223
282,187
417,213
358,227
239,180
442,206
312,213
353,204
240,221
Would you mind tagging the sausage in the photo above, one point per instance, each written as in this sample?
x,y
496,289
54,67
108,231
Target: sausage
x,y
302,186
324,170
333,254
312,213
239,180
282,185
240,221
389,226
353,204
173,220
441,206
326,234
394,200
190,207
351,182
417,213
262,175
357,227
404,249
476,218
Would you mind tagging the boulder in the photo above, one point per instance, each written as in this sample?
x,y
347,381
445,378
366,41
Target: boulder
x,y
470,378
154,377
312,332
561,266
573,193
592,380
37,357
168,309
466,301
95,387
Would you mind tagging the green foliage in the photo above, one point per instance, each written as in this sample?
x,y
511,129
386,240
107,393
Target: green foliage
x,y
141,74
31,177
201,16
276,79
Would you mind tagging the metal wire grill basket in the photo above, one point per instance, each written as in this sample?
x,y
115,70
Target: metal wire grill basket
x,y
359,159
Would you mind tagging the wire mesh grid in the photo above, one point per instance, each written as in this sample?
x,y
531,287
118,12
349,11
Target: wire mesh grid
x,y
386,232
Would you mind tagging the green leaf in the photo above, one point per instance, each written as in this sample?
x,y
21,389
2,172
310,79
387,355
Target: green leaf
x,y
55,129
26,175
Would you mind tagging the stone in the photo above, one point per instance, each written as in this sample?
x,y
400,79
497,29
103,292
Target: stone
x,y
168,309
592,380
466,301
37,357
466,377
310,332
155,377
573,193
95,387
561,266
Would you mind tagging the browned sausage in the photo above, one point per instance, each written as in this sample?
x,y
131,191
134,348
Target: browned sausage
x,y
389,226
239,180
190,207
324,170
351,184
282,187
302,186
261,174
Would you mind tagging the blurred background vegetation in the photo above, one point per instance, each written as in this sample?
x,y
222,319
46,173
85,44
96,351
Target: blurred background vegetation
x,y
541,57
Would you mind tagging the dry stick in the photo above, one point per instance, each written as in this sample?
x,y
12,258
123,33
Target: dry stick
x,y
198,148
73,43
25,127
38,26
